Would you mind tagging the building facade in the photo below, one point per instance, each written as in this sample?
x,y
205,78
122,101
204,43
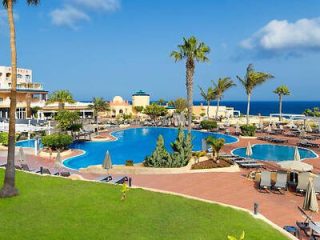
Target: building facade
x,y
29,94
140,99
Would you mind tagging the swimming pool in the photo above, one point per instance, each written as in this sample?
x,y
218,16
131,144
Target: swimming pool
x,y
276,153
132,144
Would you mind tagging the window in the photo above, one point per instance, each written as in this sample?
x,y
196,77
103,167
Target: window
x,y
1,99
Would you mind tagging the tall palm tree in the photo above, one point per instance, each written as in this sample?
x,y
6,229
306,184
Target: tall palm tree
x,y
99,105
219,88
9,189
61,97
208,96
161,101
281,91
191,50
251,80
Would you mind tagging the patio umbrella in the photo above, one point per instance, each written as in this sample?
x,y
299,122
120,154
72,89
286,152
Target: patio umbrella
x,y
303,133
296,156
107,163
308,128
310,200
57,163
296,166
22,159
237,130
249,150
269,130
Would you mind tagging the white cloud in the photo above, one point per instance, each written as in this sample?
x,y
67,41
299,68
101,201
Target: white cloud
x,y
77,10
283,36
68,16
105,5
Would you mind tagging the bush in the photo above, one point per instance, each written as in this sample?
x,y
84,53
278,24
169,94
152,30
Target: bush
x,y
208,124
129,163
66,119
248,130
4,138
208,164
57,141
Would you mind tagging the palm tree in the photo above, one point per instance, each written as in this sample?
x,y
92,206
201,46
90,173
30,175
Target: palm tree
x,y
250,81
192,50
62,97
219,88
282,90
99,105
9,189
161,101
208,96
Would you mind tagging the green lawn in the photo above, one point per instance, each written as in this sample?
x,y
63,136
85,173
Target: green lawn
x,y
53,208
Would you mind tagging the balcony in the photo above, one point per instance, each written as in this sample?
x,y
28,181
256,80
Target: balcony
x,y
29,86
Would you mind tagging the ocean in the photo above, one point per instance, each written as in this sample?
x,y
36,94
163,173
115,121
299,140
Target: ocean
x,y
265,108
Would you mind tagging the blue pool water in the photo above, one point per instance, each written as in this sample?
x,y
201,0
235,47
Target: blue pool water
x,y
132,144
27,143
272,152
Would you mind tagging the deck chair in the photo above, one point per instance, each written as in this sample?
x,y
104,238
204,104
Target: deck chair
x,y
308,226
303,180
107,178
251,165
44,171
265,181
119,180
281,182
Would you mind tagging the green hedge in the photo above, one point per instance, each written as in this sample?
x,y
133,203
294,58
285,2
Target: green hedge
x,y
57,141
208,124
248,130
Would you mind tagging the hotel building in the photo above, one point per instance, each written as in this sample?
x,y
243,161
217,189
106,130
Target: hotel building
x,y
29,94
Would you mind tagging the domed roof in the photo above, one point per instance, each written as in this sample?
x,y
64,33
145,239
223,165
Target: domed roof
x,y
117,99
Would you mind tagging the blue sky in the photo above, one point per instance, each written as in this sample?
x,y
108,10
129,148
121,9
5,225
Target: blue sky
x,y
111,47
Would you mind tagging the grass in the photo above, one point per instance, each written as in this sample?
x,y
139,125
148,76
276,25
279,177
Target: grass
x,y
54,208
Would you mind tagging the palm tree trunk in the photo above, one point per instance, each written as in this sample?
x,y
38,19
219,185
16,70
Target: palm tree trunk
x,y
280,107
9,189
28,109
208,108
61,106
217,110
189,84
248,108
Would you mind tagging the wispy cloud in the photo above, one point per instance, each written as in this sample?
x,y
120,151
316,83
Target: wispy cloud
x,y
105,5
285,38
68,16
76,11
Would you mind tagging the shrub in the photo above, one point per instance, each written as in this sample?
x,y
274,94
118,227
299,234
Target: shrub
x,y
248,130
208,124
182,152
208,164
160,157
57,141
4,138
66,119
129,163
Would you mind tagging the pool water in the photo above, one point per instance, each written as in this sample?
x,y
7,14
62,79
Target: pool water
x,y
133,144
272,152
27,143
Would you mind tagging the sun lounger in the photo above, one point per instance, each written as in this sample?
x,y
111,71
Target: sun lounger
x,y
119,180
281,182
245,161
47,171
265,181
306,143
278,140
303,180
107,178
251,165
308,226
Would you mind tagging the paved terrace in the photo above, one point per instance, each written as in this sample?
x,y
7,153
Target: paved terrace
x,y
228,188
